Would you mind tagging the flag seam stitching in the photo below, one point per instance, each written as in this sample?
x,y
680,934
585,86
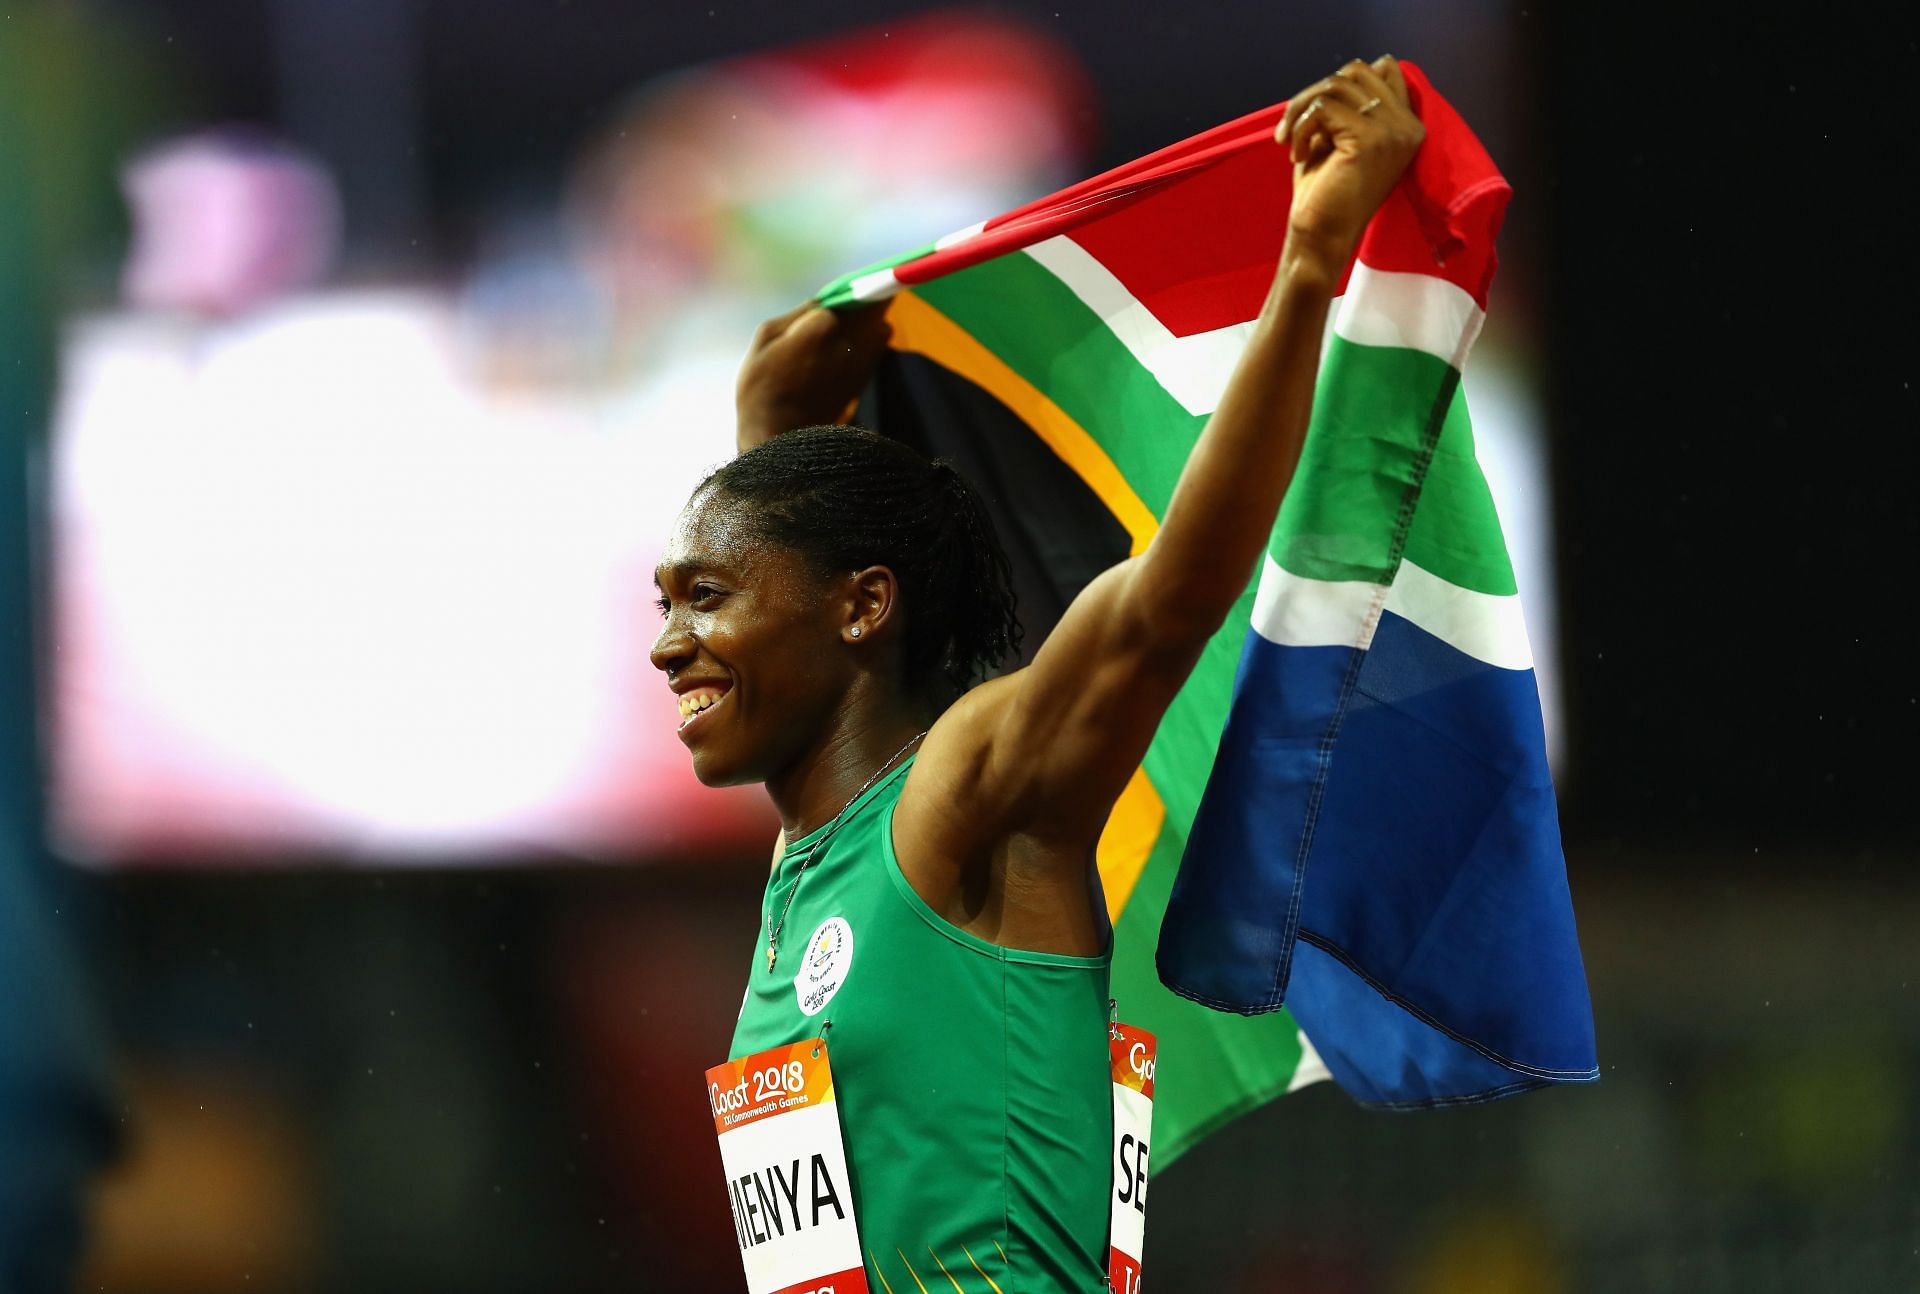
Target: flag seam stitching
x,y
1542,1072
1275,996
1403,524
1472,1098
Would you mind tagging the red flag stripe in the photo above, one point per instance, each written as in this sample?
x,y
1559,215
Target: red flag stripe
x,y
1199,253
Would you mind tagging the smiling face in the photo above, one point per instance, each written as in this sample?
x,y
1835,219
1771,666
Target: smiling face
x,y
748,644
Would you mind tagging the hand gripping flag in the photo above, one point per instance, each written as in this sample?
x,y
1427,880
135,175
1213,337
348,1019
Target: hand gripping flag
x,y
1347,808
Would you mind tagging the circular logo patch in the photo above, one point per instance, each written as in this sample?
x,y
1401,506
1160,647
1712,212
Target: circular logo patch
x,y
823,969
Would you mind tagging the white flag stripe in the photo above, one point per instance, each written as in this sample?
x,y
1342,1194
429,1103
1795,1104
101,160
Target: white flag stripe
x,y
1294,611
959,236
1379,308
1486,626
1311,1068
1412,311
1194,370
876,286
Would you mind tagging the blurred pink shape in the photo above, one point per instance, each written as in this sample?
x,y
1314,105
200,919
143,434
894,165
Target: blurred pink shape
x,y
226,220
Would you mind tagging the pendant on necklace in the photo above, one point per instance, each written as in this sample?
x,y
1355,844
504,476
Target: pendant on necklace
x,y
769,956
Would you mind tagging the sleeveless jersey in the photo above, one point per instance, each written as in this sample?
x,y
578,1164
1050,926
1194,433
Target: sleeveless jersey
x,y
972,1080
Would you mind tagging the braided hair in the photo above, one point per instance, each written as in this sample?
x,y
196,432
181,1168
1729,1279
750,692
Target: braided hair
x,y
846,498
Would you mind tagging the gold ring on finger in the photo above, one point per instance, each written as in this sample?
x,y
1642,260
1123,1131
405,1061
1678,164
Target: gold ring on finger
x,y
1371,104
1313,107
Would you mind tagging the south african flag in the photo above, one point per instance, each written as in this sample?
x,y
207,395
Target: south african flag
x,y
1348,807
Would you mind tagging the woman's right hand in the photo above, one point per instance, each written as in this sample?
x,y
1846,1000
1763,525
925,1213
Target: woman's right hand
x,y
806,367
1351,135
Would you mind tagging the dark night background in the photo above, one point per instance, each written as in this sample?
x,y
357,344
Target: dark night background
x,y
1734,415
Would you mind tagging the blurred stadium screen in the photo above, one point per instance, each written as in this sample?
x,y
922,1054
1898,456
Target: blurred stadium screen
x,y
357,568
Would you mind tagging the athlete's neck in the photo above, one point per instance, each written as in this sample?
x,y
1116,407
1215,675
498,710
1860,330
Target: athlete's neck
x,y
859,742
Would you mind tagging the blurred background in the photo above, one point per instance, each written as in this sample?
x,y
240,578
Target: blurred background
x,y
361,924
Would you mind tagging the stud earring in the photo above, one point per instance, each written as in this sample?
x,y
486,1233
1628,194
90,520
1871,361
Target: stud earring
x,y
855,631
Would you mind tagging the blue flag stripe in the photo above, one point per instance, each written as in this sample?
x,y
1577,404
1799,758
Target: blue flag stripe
x,y
1434,864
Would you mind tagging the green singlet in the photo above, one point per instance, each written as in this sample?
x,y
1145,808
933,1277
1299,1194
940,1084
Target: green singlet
x,y
973,1083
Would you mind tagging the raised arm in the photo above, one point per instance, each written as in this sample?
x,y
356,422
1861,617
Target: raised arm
x,y
1042,754
1047,750
805,368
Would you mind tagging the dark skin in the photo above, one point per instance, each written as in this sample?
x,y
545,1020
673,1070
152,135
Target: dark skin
x,y
1016,779
750,616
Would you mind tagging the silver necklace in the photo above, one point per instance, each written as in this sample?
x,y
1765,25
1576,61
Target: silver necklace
x,y
773,934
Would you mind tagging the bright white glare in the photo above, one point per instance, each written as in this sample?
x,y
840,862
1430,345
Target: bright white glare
x,y
371,571
1510,440
316,588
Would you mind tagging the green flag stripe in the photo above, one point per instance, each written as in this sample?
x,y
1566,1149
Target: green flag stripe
x,y
1096,381
1456,532
1373,407
840,292
1362,455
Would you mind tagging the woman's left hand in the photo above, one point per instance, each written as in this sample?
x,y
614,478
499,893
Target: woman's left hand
x,y
1351,135
805,368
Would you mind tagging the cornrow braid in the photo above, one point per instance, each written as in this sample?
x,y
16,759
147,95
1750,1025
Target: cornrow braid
x,y
847,498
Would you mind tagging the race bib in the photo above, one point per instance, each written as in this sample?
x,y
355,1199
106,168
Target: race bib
x,y
1132,1054
787,1171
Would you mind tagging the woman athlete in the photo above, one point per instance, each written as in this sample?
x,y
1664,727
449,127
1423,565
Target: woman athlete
x,y
830,596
